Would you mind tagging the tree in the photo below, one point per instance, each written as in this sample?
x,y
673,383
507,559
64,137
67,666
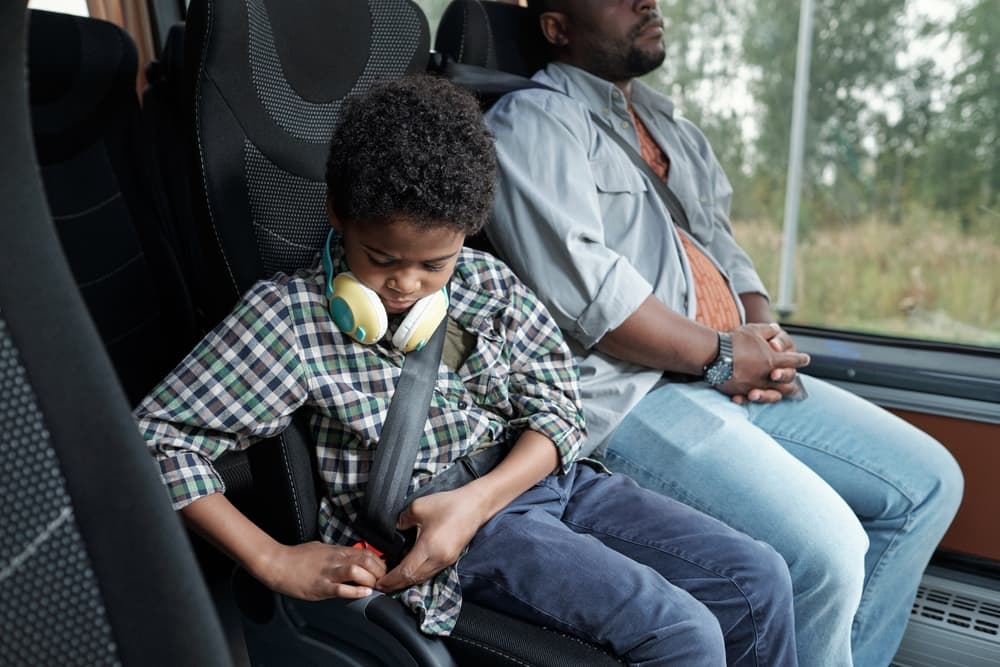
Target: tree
x,y
855,43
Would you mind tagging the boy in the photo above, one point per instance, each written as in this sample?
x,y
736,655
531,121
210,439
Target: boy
x,y
410,175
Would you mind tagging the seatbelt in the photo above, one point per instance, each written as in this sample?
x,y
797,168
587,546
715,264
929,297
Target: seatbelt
x,y
396,453
486,81
670,200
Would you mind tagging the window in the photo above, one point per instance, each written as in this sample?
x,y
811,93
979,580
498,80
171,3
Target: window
x,y
898,231
78,7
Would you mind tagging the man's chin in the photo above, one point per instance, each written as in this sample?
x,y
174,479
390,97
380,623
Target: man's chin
x,y
641,62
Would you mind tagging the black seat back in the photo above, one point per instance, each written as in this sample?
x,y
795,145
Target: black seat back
x,y
94,566
493,35
96,170
269,82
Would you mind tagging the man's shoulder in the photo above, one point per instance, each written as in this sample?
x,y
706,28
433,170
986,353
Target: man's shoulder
x,y
552,101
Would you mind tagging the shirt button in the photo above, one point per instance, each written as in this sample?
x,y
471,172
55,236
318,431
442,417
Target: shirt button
x,y
606,111
625,124
462,405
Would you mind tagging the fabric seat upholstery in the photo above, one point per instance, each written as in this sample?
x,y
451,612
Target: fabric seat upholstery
x,y
94,565
96,170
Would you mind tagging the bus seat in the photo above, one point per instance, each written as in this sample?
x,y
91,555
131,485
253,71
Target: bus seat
x,y
96,172
94,565
268,82
493,35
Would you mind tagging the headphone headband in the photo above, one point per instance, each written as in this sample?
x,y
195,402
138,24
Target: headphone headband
x,y
358,311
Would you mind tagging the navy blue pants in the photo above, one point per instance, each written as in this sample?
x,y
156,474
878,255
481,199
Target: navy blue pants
x,y
658,582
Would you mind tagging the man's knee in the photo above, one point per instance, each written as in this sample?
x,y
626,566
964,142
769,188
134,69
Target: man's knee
x,y
950,486
830,562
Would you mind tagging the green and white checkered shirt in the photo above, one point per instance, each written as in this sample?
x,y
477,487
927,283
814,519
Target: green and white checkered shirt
x,y
279,350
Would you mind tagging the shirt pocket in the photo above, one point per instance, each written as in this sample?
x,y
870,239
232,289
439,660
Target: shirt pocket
x,y
614,174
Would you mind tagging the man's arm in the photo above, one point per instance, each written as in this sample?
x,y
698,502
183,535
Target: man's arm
x,y
657,337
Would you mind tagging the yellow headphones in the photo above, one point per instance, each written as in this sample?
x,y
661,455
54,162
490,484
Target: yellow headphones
x,y
358,312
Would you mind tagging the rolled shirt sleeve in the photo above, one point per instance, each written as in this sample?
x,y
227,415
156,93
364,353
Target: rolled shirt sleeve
x,y
543,377
241,383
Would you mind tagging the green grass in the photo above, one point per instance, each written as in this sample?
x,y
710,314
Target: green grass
x,y
923,278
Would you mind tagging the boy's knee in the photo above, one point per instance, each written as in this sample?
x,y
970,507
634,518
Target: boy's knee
x,y
705,638
696,640
769,567
765,581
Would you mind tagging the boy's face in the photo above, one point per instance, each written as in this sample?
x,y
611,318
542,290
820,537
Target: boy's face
x,y
399,260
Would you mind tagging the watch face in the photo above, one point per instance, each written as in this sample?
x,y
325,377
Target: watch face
x,y
720,371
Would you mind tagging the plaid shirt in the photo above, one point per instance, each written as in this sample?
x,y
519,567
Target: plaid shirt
x,y
279,350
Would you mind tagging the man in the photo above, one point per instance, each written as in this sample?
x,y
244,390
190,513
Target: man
x,y
853,498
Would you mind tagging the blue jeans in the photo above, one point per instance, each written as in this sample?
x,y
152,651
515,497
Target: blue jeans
x,y
595,555
855,499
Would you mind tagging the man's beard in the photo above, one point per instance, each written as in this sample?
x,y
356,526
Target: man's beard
x,y
624,60
639,62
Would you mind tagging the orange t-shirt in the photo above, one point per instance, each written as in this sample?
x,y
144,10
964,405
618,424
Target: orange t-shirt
x,y
716,306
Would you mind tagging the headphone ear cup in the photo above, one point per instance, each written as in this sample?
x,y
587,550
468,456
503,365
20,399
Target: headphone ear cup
x,y
421,322
357,310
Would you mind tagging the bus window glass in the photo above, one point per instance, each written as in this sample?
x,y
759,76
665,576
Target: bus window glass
x,y
899,225
77,7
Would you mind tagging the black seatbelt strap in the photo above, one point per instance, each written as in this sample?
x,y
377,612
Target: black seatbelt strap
x,y
396,453
495,83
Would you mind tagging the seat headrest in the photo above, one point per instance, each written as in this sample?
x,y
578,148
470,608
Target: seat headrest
x,y
270,79
494,35
78,70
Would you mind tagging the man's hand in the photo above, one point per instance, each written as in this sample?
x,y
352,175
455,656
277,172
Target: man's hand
x,y
764,364
446,522
316,571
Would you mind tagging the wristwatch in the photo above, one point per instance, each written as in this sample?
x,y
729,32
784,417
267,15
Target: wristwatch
x,y
721,369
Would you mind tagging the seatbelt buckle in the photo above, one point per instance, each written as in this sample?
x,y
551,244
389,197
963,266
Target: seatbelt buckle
x,y
391,550
368,547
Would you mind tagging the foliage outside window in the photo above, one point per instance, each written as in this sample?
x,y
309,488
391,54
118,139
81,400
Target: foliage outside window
x,y
899,231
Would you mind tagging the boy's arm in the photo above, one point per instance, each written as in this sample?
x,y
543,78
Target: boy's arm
x,y
243,382
310,571
446,522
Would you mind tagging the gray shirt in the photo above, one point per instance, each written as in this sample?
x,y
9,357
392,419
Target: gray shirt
x,y
585,228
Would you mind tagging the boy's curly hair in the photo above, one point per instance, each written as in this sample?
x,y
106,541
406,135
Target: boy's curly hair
x,y
416,148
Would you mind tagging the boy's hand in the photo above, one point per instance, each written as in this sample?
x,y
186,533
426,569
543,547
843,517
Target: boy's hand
x,y
317,571
445,523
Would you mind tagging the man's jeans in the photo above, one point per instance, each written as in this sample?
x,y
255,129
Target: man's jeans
x,y
595,555
855,500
